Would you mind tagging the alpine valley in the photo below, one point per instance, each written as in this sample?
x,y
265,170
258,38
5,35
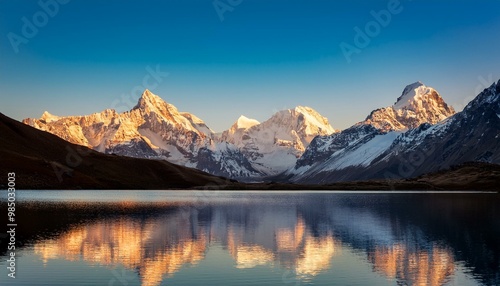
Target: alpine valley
x,y
418,134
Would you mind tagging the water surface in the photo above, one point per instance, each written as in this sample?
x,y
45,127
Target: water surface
x,y
254,238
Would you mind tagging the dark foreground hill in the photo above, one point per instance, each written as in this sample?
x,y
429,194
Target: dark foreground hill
x,y
44,161
41,160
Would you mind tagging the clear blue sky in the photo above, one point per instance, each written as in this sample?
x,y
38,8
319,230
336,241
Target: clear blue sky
x,y
264,56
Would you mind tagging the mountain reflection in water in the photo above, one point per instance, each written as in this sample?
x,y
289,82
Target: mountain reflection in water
x,y
412,240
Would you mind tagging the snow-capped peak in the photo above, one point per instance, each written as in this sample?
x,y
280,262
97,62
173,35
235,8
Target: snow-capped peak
x,y
150,102
148,93
412,86
412,93
149,98
417,104
245,122
47,117
315,119
237,130
154,109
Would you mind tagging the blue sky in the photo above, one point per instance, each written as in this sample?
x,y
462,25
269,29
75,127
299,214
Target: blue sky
x,y
261,56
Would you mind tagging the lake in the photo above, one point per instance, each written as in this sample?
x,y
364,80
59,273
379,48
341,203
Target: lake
x,y
253,238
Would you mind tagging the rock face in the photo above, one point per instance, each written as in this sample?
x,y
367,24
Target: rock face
x,y
275,145
155,129
378,149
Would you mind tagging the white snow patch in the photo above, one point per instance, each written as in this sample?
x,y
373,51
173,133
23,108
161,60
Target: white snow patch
x,y
158,143
198,123
275,162
363,155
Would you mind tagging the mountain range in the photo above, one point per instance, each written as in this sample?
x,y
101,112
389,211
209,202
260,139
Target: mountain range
x,y
155,129
419,133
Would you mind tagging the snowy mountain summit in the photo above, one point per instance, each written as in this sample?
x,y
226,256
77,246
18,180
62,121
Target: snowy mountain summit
x,y
417,104
244,122
234,134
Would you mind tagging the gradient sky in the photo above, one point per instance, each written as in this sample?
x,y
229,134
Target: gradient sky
x,y
263,56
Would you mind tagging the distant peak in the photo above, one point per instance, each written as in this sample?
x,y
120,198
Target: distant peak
x,y
245,122
47,117
149,99
412,86
148,93
46,113
412,92
244,118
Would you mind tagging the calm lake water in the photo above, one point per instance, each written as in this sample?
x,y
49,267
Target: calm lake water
x,y
253,238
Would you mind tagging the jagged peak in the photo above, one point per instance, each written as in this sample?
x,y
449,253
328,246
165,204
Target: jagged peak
x,y
47,117
416,91
46,114
412,86
152,100
487,96
148,95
